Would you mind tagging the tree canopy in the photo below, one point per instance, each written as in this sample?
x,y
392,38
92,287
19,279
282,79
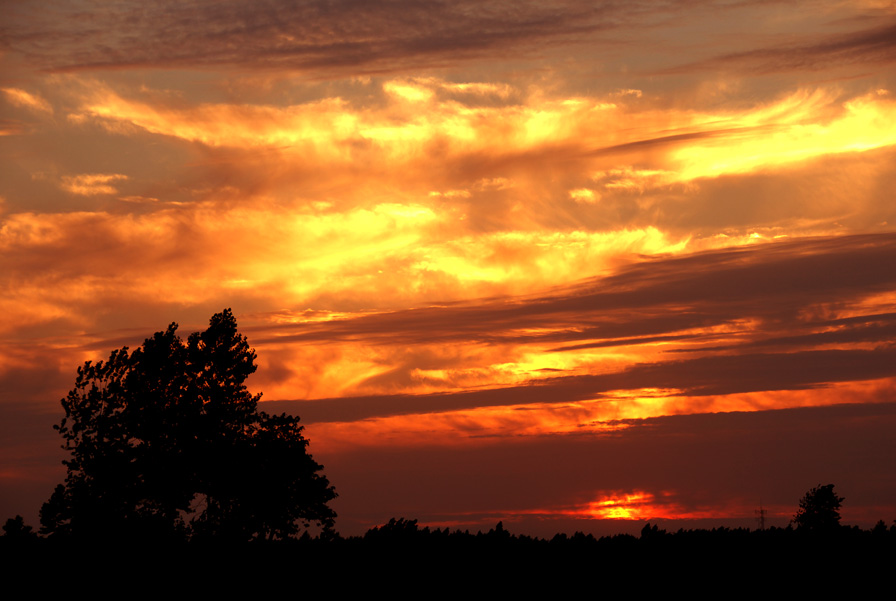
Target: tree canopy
x,y
819,509
168,442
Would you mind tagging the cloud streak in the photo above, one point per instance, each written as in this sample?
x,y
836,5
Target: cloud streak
x,y
827,292
869,46
344,35
91,184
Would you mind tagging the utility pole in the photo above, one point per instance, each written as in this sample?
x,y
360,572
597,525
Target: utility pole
x,y
760,515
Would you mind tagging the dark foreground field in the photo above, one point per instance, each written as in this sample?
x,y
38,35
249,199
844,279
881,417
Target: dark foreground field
x,y
420,562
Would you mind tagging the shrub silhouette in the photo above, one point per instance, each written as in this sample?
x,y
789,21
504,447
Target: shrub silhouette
x,y
168,443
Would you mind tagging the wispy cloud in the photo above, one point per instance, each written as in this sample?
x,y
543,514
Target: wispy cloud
x,y
27,100
869,46
343,35
720,306
92,184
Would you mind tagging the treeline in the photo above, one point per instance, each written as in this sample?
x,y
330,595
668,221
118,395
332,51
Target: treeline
x,y
403,536
413,556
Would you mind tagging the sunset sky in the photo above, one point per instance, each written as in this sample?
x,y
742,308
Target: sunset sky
x,y
570,265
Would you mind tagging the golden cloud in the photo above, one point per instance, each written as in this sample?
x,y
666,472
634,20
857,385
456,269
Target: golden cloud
x,y
617,143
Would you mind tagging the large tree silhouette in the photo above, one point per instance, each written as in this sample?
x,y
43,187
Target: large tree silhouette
x,y
168,442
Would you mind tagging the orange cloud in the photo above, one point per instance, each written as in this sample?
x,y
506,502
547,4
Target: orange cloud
x,y
610,413
27,100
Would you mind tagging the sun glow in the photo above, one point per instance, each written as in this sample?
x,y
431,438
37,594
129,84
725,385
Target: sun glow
x,y
637,505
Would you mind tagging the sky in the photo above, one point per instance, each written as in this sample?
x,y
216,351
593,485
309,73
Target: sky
x,y
569,265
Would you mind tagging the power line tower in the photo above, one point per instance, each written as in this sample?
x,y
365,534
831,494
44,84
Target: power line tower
x,y
760,515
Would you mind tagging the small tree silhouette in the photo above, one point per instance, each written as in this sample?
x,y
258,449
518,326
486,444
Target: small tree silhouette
x,y
819,509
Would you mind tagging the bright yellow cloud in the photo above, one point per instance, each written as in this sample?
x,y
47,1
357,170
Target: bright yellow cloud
x,y
799,127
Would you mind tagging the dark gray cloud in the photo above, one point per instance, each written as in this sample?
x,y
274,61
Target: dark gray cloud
x,y
301,35
675,139
868,46
877,329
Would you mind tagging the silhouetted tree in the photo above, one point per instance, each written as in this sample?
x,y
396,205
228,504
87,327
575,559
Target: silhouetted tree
x,y
651,533
397,532
168,442
16,529
819,509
